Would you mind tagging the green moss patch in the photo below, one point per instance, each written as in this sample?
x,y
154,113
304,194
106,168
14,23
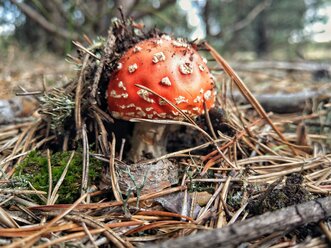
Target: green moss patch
x,y
34,169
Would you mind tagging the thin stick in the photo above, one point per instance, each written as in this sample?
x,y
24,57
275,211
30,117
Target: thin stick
x,y
80,46
87,231
78,96
221,221
255,227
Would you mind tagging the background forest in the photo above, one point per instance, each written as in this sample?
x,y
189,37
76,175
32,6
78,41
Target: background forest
x,y
263,28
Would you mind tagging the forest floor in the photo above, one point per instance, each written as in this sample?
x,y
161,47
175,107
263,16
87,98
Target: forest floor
x,y
267,174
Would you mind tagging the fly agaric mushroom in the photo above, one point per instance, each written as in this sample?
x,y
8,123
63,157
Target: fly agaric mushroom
x,y
171,68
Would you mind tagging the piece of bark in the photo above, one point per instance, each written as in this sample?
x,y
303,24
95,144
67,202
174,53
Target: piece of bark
x,y
147,178
283,102
283,65
256,227
175,203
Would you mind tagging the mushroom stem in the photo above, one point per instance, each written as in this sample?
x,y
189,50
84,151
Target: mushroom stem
x,y
149,139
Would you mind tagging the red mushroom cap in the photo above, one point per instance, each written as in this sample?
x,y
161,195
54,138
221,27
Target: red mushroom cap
x,y
171,68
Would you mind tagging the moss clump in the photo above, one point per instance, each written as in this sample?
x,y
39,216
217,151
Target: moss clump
x,y
34,169
290,194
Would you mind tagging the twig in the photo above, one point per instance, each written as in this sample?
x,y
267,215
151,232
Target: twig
x,y
221,221
22,191
87,231
29,93
111,204
247,230
108,51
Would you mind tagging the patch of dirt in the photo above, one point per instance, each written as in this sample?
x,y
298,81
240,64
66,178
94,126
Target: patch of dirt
x,y
31,70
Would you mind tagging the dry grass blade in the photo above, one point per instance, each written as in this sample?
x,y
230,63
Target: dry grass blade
x,y
28,231
6,219
112,171
87,231
78,95
104,139
50,177
221,221
158,224
110,204
246,92
190,125
86,161
33,238
112,236
22,191
80,46
188,118
59,182
165,214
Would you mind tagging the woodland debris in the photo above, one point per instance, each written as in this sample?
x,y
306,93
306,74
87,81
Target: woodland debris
x,y
233,156
16,109
250,229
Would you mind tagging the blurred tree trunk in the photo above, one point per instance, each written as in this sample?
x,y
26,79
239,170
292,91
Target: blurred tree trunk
x,y
261,44
54,24
241,12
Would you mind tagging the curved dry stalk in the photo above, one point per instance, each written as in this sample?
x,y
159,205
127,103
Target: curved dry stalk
x,y
78,96
189,119
112,171
110,204
247,93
